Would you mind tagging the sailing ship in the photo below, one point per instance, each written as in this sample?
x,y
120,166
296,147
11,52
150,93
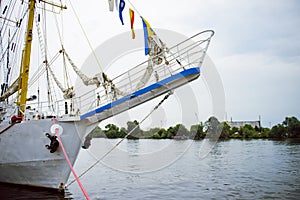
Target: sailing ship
x,y
30,152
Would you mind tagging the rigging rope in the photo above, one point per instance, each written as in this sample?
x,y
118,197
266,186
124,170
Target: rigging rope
x,y
15,33
134,8
86,37
128,134
166,48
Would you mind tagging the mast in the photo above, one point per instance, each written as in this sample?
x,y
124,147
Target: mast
x,y
24,69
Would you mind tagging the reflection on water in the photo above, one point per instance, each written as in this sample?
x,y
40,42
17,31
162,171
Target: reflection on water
x,y
234,169
18,192
295,141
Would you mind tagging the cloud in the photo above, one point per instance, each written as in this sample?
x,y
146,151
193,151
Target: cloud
x,y
243,26
260,84
256,47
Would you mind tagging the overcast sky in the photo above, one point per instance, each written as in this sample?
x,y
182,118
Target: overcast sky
x,y
256,50
256,47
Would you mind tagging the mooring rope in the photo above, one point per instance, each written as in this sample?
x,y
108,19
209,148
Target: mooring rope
x,y
69,163
128,134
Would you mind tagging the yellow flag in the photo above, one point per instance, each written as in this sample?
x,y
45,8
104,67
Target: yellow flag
x,y
148,32
131,14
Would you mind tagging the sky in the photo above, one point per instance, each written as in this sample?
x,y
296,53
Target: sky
x,y
256,47
255,51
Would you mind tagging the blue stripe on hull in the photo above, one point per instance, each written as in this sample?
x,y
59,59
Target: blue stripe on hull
x,y
191,71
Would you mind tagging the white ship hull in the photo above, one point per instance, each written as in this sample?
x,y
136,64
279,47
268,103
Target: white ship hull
x,y
24,159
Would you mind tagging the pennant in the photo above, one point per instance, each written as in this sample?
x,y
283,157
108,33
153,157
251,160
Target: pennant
x,y
111,5
148,32
117,4
121,8
131,14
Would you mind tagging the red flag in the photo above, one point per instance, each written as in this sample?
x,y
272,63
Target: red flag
x,y
131,14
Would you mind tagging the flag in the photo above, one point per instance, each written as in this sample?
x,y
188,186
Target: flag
x,y
117,4
148,32
111,5
131,14
121,8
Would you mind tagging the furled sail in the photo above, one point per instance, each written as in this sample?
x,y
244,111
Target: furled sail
x,y
11,90
96,80
67,93
146,77
156,52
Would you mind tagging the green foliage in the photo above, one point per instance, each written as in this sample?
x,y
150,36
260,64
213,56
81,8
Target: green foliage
x,y
178,132
289,128
123,132
278,131
292,125
171,130
112,131
181,130
156,136
264,133
197,132
225,133
150,133
247,131
212,124
135,130
235,133
164,134
213,127
96,133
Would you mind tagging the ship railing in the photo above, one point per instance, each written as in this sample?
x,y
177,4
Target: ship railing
x,y
38,110
188,54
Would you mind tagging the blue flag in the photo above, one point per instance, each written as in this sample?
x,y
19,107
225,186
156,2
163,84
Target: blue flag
x,y
121,8
148,32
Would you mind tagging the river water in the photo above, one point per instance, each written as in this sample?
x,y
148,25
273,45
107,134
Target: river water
x,y
182,169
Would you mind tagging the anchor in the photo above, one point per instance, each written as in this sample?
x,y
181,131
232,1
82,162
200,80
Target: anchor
x,y
54,144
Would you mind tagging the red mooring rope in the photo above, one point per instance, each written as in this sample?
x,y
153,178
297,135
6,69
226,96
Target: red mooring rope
x,y
69,163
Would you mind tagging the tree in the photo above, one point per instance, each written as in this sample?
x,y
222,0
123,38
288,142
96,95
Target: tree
x,y
225,130
156,136
278,131
137,132
112,131
264,132
196,132
212,123
150,133
164,134
178,131
97,133
181,130
292,126
213,128
247,131
171,131
122,132
289,128
234,132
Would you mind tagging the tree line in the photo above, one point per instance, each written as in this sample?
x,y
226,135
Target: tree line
x,y
289,128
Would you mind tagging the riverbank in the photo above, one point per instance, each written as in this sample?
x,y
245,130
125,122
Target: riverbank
x,y
212,128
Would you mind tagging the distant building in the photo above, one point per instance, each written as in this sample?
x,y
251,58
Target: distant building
x,y
238,124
